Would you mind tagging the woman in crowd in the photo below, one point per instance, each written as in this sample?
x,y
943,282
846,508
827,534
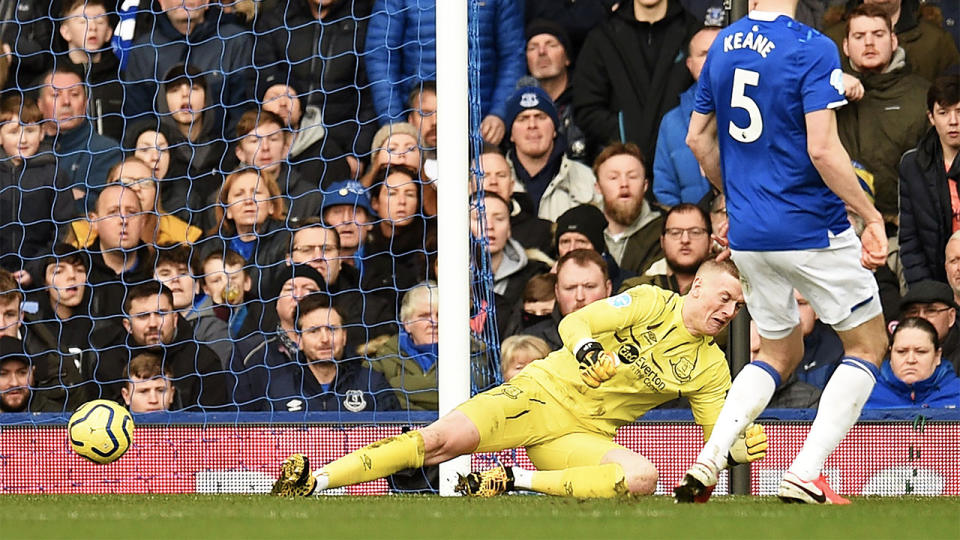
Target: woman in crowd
x,y
914,375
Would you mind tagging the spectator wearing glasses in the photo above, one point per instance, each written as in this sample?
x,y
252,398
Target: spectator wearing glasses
x,y
686,244
933,301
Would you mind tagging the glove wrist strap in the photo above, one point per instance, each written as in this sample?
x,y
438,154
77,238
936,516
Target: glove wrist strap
x,y
585,348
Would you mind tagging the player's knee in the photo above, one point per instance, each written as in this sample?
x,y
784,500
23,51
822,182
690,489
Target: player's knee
x,y
642,482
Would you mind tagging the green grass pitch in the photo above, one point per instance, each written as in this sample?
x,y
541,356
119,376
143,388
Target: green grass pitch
x,y
237,516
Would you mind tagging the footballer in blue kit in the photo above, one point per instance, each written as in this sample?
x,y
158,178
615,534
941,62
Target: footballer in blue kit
x,y
764,130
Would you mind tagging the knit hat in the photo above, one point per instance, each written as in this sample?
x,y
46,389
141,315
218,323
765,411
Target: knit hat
x,y
530,97
587,220
386,131
546,26
347,192
11,349
928,291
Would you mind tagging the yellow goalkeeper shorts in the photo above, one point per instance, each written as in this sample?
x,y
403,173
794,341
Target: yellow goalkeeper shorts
x,y
522,414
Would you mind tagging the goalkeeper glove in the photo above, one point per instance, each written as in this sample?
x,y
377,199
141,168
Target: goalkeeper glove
x,y
750,446
596,365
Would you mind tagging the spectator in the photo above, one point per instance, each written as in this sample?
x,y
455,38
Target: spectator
x,y
408,360
401,52
263,145
57,335
322,379
933,301
395,260
178,31
17,381
422,105
677,177
158,227
250,216
686,244
930,50
953,264
190,123
629,74
548,61
313,154
509,264
885,117
226,285
149,386
288,51
11,300
84,155
347,208
118,257
394,144
582,227
914,375
539,297
151,325
173,270
258,357
554,182
581,279
929,204
576,18
531,231
365,316
33,198
85,26
518,351
185,191
633,225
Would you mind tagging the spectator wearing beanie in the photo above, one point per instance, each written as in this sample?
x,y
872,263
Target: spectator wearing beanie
x,y
554,182
549,61
582,227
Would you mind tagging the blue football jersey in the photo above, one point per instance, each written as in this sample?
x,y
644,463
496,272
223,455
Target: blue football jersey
x,y
762,75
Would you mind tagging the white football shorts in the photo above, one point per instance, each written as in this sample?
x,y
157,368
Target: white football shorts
x,y
843,293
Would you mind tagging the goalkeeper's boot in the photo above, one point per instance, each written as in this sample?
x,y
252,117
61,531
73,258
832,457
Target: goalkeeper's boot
x,y
697,484
486,483
794,490
295,479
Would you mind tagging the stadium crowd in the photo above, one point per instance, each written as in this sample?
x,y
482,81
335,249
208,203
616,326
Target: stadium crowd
x,y
222,206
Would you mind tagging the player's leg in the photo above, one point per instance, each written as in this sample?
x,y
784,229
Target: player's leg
x,y
769,296
844,295
586,465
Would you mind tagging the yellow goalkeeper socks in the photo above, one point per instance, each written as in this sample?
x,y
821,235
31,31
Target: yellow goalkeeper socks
x,y
593,481
373,461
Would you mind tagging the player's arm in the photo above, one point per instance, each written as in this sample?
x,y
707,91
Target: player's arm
x,y
702,140
833,163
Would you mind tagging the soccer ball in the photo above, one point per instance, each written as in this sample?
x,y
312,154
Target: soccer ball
x,y
100,431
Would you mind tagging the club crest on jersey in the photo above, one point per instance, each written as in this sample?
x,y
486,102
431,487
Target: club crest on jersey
x,y
529,100
354,401
649,336
683,368
619,301
628,353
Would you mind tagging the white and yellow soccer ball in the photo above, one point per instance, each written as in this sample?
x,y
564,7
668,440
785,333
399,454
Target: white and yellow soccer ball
x,y
101,431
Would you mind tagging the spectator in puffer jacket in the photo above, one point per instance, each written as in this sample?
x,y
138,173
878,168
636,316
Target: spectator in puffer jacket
x,y
914,375
401,52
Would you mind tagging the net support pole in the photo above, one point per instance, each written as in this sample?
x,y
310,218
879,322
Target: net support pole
x,y
453,219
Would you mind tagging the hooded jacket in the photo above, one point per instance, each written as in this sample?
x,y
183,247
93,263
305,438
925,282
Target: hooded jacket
x,y
889,120
926,215
942,389
222,51
630,73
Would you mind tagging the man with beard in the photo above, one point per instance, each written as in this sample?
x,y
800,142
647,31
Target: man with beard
x,y
152,325
16,378
686,244
633,226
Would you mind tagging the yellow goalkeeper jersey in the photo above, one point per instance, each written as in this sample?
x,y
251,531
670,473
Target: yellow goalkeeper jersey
x,y
659,361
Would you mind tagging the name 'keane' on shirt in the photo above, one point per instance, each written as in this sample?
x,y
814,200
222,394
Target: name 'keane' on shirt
x,y
752,40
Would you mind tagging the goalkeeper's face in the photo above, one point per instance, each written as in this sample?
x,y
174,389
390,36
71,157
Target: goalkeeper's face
x,y
714,300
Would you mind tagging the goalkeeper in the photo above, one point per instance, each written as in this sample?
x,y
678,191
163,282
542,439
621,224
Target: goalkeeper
x,y
622,356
